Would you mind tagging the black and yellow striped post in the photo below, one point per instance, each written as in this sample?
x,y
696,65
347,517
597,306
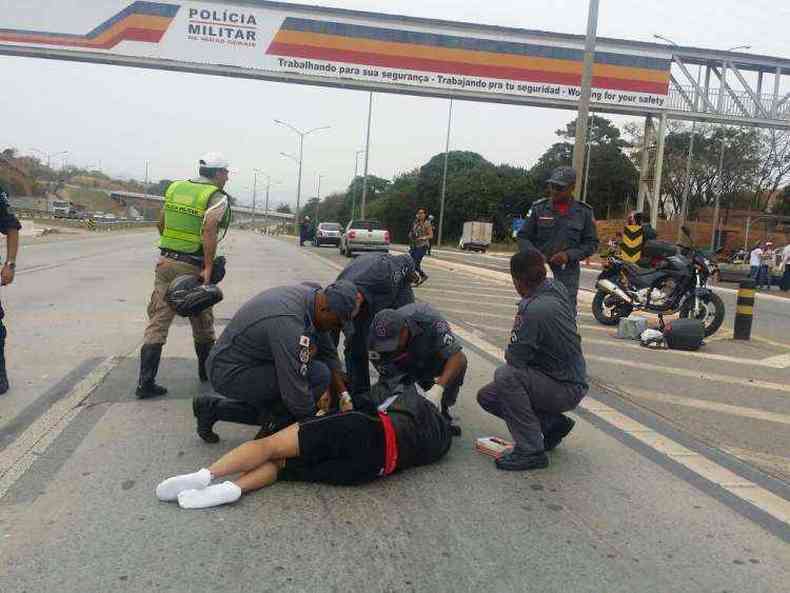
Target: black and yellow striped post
x,y
631,245
744,312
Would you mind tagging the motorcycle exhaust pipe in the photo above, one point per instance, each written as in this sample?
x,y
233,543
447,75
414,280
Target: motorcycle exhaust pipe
x,y
612,288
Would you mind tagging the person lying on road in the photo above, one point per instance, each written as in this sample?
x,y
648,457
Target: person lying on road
x,y
346,449
545,374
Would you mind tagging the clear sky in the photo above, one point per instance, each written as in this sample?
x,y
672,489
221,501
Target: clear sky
x,y
121,117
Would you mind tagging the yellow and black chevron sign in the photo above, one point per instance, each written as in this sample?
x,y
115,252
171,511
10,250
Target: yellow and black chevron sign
x,y
91,224
631,245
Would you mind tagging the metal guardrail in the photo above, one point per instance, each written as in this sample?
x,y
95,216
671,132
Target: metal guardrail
x,y
85,223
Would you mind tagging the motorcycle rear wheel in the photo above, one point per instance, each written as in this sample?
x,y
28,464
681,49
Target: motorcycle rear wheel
x,y
609,315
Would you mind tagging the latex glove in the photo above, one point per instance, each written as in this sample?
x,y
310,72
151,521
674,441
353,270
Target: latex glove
x,y
434,395
345,403
559,259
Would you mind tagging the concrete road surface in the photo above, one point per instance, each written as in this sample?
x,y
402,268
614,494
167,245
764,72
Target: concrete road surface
x,y
633,501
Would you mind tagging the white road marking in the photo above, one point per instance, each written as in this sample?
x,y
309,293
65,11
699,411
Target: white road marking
x,y
19,456
744,489
702,404
776,362
702,375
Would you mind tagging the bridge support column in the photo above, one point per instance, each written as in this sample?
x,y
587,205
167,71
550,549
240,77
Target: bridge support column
x,y
644,165
662,132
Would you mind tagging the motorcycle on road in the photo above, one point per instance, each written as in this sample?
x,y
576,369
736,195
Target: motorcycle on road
x,y
676,284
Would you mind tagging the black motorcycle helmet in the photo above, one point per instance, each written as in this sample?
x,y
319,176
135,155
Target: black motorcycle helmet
x,y
188,296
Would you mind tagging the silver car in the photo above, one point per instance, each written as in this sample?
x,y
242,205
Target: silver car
x,y
363,236
328,233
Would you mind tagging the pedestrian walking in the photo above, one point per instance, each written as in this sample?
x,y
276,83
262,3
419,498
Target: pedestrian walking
x,y
10,227
545,374
755,261
562,229
767,266
786,268
421,235
195,217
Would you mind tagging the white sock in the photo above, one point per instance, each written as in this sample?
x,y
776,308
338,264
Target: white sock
x,y
213,496
172,487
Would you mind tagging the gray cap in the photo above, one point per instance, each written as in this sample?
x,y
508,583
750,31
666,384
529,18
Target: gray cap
x,y
341,297
385,330
563,176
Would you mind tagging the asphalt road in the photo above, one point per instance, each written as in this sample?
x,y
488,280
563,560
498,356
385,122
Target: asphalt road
x,y
633,501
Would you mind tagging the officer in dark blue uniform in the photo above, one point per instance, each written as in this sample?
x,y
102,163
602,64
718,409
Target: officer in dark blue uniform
x,y
9,226
562,229
385,282
415,344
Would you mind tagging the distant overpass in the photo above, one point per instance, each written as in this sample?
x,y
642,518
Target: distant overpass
x,y
149,205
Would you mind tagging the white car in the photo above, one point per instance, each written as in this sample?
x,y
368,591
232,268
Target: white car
x,y
364,235
328,233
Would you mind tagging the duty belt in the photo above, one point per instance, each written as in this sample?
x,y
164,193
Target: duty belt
x,y
186,258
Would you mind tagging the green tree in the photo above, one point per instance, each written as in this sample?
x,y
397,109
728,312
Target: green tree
x,y
612,179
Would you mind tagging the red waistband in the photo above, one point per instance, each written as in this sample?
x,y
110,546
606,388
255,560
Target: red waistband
x,y
390,445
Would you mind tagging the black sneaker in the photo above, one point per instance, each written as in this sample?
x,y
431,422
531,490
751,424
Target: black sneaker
x,y
149,390
517,461
559,431
272,426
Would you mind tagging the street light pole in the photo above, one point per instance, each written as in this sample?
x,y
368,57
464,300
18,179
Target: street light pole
x,y
444,173
586,92
587,165
318,199
301,156
254,194
367,155
145,187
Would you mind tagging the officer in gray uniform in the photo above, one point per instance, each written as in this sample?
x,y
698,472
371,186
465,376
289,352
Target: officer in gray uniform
x,y
384,282
414,344
276,358
545,374
562,229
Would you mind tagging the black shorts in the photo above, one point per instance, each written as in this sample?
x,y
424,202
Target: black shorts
x,y
343,449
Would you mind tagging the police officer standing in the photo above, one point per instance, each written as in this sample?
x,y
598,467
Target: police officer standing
x,y
562,229
415,344
196,212
385,282
276,359
9,226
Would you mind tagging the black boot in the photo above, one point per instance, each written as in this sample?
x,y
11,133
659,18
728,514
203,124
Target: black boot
x,y
149,366
557,430
209,409
202,351
3,375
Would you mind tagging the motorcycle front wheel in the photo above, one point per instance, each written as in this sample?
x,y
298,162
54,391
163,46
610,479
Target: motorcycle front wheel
x,y
711,314
607,313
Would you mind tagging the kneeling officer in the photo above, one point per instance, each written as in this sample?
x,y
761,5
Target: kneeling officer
x,y
276,358
414,344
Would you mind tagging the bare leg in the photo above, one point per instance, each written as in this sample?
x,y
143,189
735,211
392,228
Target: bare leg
x,y
252,455
263,476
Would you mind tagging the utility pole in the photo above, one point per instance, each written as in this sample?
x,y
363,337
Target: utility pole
x,y
353,187
254,194
318,199
145,187
367,158
444,174
587,165
719,191
586,92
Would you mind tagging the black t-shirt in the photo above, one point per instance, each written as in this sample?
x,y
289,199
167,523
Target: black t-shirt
x,y
8,221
